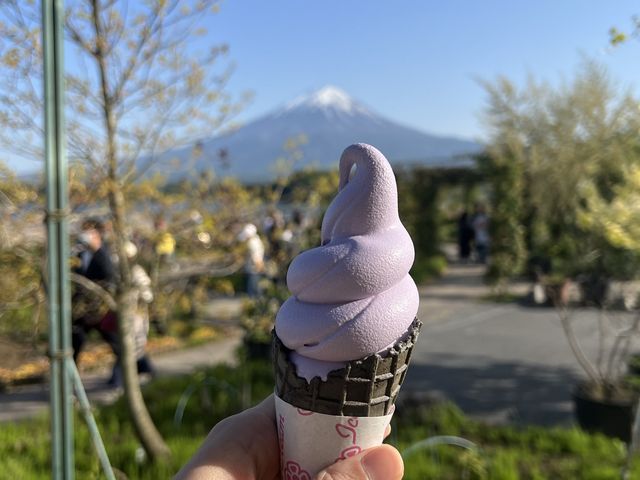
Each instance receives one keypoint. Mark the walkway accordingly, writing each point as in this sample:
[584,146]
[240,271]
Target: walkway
[503,363]
[29,400]
[500,362]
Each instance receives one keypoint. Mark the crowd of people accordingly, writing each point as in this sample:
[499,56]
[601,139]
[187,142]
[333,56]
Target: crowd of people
[94,260]
[267,251]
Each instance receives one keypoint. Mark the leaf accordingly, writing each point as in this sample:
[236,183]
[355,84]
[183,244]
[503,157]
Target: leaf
[616,37]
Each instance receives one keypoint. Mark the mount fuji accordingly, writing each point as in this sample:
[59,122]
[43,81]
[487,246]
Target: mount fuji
[330,120]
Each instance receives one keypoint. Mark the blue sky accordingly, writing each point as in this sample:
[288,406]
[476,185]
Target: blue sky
[416,61]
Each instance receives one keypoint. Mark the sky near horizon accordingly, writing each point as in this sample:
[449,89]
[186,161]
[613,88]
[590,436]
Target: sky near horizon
[416,62]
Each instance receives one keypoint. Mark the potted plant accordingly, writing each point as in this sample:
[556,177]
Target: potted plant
[557,289]
[610,220]
[605,401]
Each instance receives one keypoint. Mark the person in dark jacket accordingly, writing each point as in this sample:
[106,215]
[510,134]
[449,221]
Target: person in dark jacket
[89,311]
[465,237]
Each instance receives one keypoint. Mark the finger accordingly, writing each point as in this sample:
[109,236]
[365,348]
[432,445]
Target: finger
[387,431]
[377,463]
[266,407]
[241,446]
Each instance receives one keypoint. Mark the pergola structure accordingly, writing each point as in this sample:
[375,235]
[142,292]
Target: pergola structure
[64,374]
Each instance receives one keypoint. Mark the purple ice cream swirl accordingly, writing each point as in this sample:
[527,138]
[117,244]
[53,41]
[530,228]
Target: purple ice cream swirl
[352,296]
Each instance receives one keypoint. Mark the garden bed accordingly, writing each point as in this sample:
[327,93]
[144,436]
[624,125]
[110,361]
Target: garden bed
[26,365]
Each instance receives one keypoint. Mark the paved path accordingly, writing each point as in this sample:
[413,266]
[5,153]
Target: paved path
[30,400]
[499,362]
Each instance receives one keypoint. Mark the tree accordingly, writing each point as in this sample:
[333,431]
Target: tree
[616,217]
[21,253]
[560,140]
[508,254]
[139,86]
[503,166]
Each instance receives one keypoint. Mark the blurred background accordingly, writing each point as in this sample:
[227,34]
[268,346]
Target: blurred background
[203,141]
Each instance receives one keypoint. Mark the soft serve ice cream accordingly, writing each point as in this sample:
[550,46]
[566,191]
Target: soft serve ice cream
[352,296]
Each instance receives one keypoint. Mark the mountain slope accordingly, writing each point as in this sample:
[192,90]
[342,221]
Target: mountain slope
[331,121]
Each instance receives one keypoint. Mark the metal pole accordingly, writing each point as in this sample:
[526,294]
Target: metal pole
[62,463]
[85,409]
[64,373]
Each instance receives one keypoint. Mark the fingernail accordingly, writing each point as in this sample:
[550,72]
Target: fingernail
[379,466]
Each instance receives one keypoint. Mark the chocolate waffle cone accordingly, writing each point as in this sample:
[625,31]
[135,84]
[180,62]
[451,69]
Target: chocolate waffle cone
[367,387]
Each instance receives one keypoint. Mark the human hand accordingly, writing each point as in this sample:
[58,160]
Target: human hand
[245,447]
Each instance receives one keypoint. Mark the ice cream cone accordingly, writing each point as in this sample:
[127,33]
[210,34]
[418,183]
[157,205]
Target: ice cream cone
[351,296]
[367,387]
[322,421]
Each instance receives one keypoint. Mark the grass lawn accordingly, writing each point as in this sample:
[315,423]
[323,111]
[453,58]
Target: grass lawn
[497,453]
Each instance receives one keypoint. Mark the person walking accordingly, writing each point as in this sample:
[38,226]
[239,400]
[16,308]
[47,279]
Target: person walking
[465,237]
[89,310]
[254,262]
[480,223]
[140,320]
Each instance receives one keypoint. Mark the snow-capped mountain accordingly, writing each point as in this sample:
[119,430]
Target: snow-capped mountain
[331,120]
[330,100]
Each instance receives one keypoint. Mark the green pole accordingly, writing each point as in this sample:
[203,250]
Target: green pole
[62,464]
[94,433]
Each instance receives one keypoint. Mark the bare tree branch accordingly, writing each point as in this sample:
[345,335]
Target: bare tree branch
[94,288]
[210,270]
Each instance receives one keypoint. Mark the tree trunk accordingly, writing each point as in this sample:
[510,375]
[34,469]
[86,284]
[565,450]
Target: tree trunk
[126,300]
[147,432]
[151,439]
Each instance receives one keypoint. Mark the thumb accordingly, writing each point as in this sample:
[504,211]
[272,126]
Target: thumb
[377,463]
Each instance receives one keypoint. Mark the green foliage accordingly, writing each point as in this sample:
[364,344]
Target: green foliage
[503,452]
[140,64]
[427,268]
[218,393]
[22,308]
[618,37]
[258,314]
[22,311]
[418,203]
[422,198]
[616,220]
[555,152]
[504,169]
[312,187]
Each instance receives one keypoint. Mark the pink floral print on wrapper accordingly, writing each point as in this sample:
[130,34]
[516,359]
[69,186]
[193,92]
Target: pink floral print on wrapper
[346,431]
[349,431]
[281,438]
[349,452]
[293,471]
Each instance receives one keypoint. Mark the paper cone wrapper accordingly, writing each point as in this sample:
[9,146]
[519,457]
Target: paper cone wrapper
[320,422]
[311,441]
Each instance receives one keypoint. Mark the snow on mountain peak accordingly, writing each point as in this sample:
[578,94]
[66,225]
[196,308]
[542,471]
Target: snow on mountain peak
[331,96]
[328,97]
